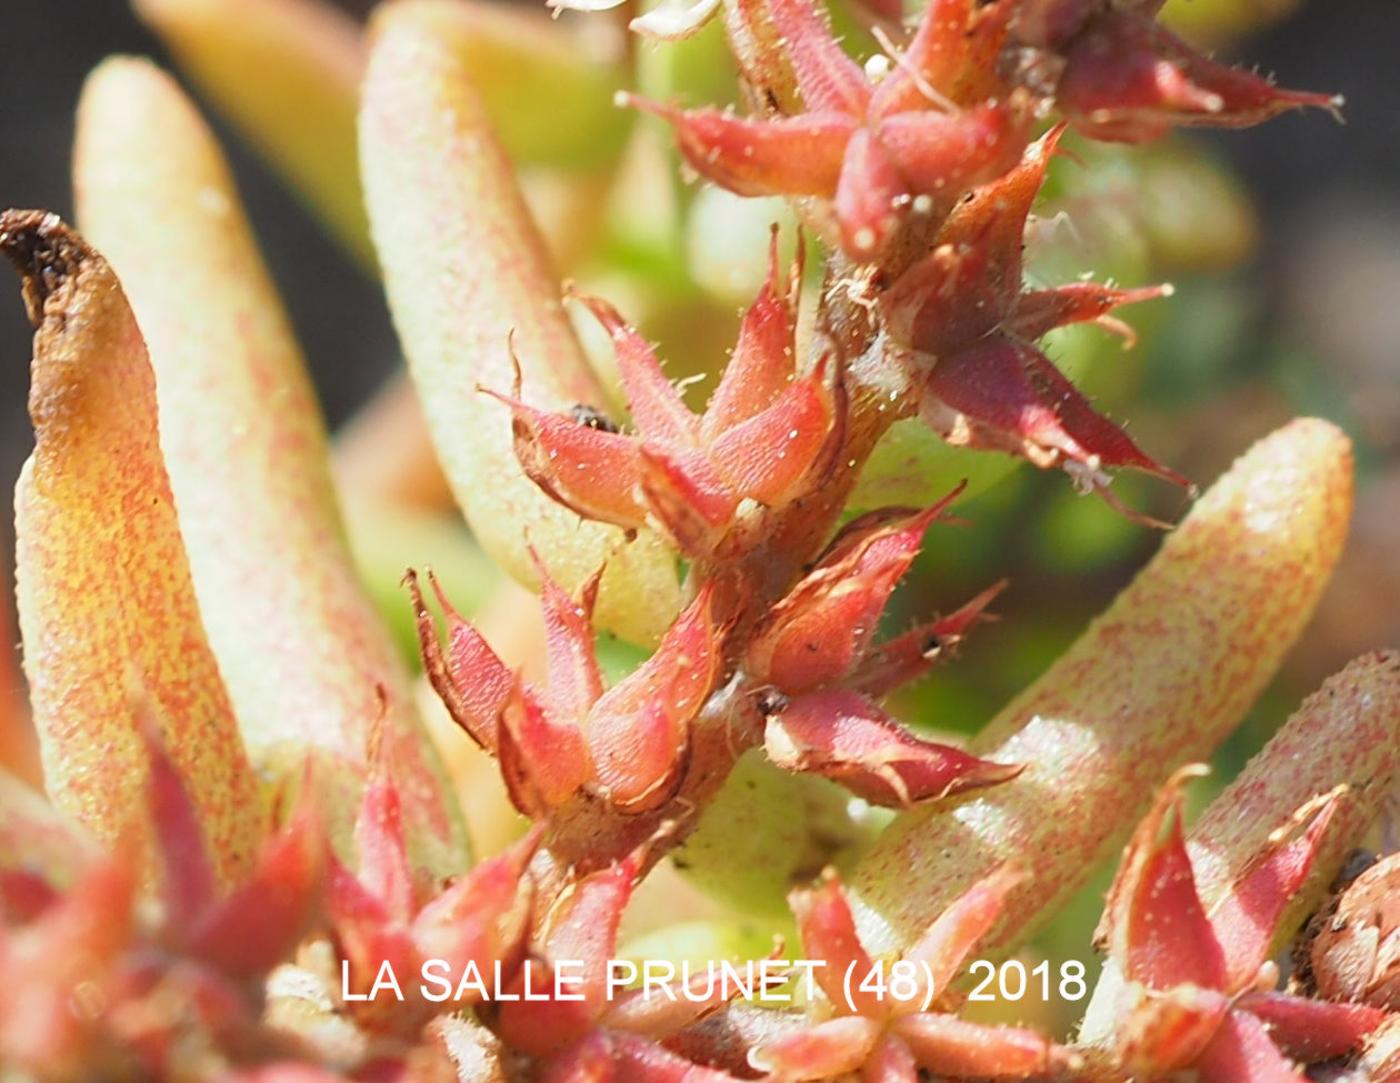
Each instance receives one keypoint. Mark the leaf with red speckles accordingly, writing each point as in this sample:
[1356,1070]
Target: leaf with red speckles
[104,585]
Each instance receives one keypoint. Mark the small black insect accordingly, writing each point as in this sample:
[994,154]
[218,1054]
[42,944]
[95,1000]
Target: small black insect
[591,417]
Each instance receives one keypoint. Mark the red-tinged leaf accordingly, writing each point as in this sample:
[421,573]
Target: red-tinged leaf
[828,931]
[257,926]
[638,732]
[687,498]
[950,1046]
[770,456]
[542,762]
[764,359]
[1154,925]
[954,53]
[827,78]
[1313,1030]
[1038,311]
[575,682]
[1246,917]
[892,1062]
[187,883]
[657,408]
[871,196]
[1004,394]
[472,682]
[797,156]
[845,737]
[938,955]
[1128,78]
[1242,1052]
[585,468]
[942,155]
[384,867]
[825,1051]
[823,627]
[909,656]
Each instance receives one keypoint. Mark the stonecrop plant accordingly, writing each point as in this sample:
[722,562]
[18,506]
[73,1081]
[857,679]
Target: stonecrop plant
[246,856]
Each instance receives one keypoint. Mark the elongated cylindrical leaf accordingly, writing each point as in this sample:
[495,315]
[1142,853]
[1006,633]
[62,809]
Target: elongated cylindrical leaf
[468,283]
[106,605]
[285,72]
[550,98]
[1347,734]
[1158,680]
[306,661]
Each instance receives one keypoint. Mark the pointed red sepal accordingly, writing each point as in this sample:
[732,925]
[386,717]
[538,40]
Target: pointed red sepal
[543,762]
[687,498]
[972,279]
[638,733]
[472,682]
[187,884]
[259,925]
[73,944]
[953,1047]
[773,457]
[1246,917]
[792,156]
[1243,1052]
[1154,923]
[1038,311]
[909,656]
[845,737]
[1313,1030]
[827,1050]
[891,1062]
[954,54]
[1129,79]
[765,357]
[827,78]
[618,1057]
[482,918]
[938,955]
[1004,394]
[942,155]
[658,411]
[580,464]
[823,627]
[828,931]
[575,682]
[582,932]
[384,867]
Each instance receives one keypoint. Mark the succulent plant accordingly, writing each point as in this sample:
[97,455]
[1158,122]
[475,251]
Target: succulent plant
[249,861]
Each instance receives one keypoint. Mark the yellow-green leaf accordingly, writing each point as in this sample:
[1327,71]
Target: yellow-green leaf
[468,282]
[1158,680]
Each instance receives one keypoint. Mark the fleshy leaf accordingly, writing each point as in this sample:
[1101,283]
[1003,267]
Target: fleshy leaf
[465,270]
[103,582]
[1196,636]
[307,663]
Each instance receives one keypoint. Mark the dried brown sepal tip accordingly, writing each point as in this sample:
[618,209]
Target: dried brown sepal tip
[1355,952]
[44,251]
